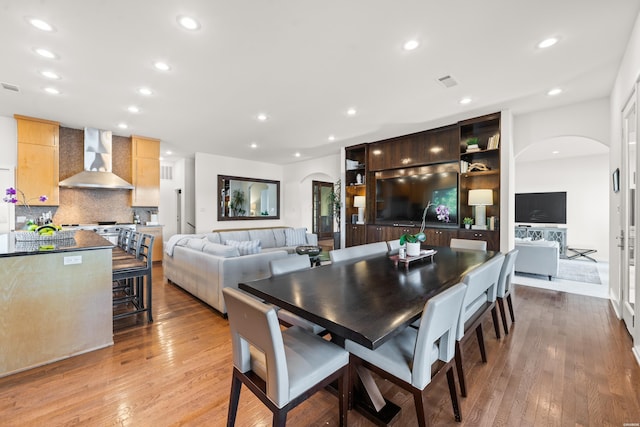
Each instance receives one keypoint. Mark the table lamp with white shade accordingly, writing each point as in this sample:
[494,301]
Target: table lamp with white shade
[360,203]
[480,199]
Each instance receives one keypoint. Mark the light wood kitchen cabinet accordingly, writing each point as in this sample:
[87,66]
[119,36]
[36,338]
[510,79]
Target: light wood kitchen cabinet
[145,172]
[156,232]
[37,173]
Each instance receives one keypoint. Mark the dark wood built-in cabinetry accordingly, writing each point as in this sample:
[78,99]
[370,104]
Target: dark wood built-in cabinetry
[471,147]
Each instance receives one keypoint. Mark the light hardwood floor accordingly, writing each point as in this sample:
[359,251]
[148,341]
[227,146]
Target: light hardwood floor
[566,362]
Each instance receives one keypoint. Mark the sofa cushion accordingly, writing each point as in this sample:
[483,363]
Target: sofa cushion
[234,235]
[295,236]
[278,234]
[196,244]
[223,251]
[245,247]
[214,238]
[266,237]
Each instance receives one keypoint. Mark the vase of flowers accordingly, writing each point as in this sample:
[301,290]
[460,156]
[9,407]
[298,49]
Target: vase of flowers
[413,241]
[17,197]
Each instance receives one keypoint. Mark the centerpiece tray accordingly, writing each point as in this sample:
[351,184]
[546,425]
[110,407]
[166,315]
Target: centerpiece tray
[424,253]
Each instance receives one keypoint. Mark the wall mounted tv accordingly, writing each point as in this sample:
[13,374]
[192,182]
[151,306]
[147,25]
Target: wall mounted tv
[542,208]
[402,195]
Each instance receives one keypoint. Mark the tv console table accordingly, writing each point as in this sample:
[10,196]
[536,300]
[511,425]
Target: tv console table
[552,234]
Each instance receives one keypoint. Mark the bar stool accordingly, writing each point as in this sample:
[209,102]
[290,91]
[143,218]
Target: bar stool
[132,277]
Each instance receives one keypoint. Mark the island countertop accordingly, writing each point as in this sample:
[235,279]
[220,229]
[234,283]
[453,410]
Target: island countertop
[82,240]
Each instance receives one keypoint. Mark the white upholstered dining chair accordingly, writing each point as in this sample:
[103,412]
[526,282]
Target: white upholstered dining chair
[478,245]
[504,288]
[360,251]
[282,368]
[288,265]
[415,357]
[480,299]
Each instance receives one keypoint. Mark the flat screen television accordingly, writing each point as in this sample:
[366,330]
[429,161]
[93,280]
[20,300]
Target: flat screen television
[542,208]
[402,199]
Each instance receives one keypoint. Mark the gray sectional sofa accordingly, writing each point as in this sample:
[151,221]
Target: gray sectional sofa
[204,264]
[537,257]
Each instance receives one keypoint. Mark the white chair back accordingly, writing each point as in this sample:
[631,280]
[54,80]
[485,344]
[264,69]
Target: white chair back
[254,323]
[289,264]
[477,245]
[482,285]
[437,325]
[360,251]
[504,282]
[394,245]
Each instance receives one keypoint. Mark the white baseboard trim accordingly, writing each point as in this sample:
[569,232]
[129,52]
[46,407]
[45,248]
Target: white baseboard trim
[636,352]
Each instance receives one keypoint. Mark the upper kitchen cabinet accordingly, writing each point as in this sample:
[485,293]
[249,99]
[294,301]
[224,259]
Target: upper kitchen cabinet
[38,161]
[145,156]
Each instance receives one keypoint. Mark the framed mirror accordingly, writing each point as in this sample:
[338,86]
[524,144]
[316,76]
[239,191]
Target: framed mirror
[247,198]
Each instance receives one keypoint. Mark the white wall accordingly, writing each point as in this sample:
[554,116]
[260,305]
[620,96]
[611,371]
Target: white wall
[207,169]
[8,160]
[586,181]
[589,119]
[628,73]
[298,177]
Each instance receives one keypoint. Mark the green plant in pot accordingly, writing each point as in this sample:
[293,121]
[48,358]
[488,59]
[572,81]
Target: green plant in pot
[467,222]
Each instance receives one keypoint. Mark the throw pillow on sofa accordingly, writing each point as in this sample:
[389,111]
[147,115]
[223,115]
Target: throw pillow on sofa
[246,247]
[295,236]
[223,251]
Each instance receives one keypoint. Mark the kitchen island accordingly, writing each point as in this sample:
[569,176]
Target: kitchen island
[55,299]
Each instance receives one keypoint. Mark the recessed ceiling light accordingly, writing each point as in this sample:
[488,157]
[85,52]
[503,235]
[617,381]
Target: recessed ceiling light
[465,100]
[50,74]
[145,91]
[554,91]
[40,24]
[161,158]
[168,152]
[351,111]
[262,117]
[188,23]
[52,90]
[162,66]
[411,45]
[122,125]
[253,145]
[45,53]
[555,152]
[133,109]
[547,42]
[297,154]
[331,138]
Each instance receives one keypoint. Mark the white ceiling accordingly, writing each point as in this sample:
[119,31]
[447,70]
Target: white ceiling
[304,64]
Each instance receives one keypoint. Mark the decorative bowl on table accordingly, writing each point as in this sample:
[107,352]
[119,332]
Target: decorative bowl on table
[46,232]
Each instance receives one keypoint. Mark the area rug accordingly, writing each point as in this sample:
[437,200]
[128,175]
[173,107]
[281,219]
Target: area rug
[576,271]
[579,271]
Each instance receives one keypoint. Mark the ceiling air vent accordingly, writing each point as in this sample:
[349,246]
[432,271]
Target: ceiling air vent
[166,172]
[9,86]
[448,81]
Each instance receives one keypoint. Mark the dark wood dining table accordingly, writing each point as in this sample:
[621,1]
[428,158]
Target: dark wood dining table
[367,300]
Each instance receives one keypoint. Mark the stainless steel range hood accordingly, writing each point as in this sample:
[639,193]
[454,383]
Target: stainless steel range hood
[97,164]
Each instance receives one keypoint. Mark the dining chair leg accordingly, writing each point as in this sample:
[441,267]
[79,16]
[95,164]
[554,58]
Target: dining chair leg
[496,325]
[455,402]
[149,297]
[458,357]
[343,394]
[480,335]
[503,315]
[279,418]
[513,319]
[419,402]
[236,385]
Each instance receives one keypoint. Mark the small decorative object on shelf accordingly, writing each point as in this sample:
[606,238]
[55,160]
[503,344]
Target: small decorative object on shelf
[467,222]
